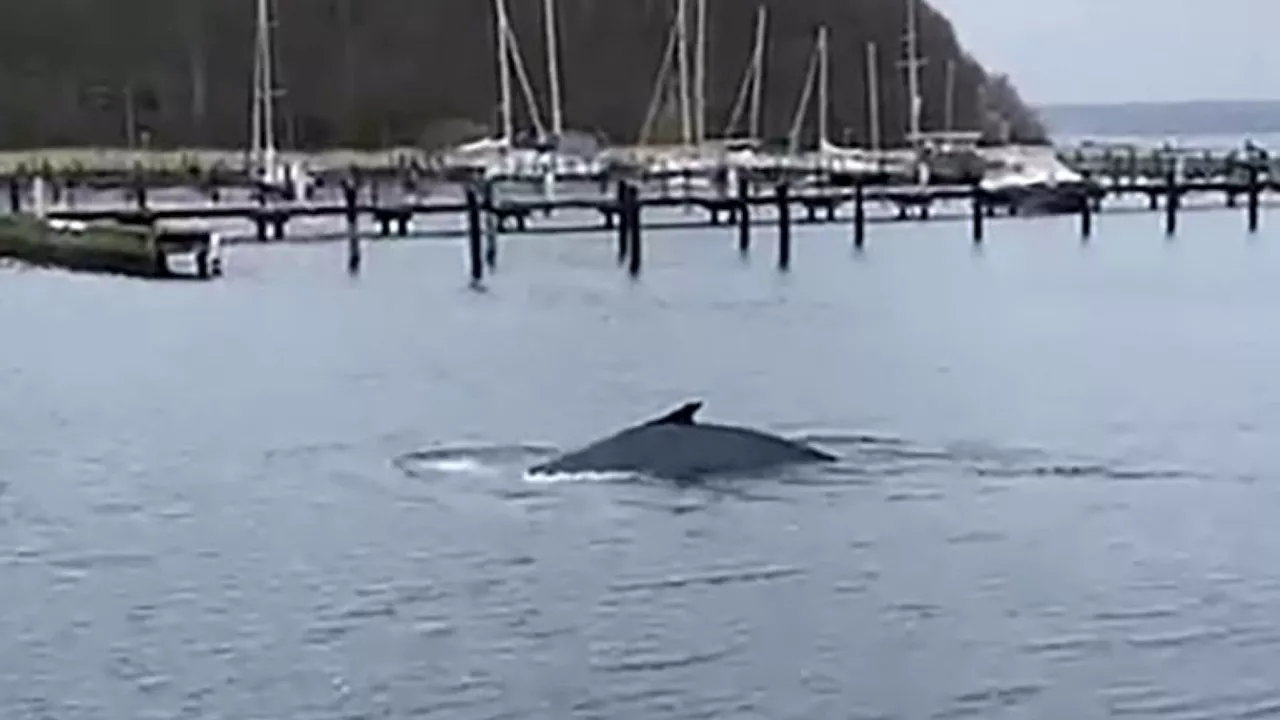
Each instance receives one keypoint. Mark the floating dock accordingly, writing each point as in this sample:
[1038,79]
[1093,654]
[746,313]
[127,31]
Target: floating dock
[110,247]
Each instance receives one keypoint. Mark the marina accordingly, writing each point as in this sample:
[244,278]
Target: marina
[810,382]
[549,179]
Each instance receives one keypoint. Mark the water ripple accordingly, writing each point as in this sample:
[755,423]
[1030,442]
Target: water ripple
[914,494]
[635,661]
[1178,639]
[1152,612]
[989,701]
[709,578]
[1158,703]
[1085,471]
[1068,646]
[621,699]
[446,460]
[88,562]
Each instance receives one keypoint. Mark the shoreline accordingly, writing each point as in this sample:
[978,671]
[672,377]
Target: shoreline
[123,160]
[61,161]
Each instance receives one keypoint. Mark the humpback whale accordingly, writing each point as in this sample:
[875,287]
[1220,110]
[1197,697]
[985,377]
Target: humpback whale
[676,446]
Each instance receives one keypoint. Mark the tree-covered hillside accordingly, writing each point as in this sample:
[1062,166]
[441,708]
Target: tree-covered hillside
[378,72]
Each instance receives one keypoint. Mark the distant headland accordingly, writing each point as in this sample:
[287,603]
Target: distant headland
[1171,118]
[383,73]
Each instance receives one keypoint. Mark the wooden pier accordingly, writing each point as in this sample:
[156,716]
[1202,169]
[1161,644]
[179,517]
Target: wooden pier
[483,213]
[820,202]
[1133,164]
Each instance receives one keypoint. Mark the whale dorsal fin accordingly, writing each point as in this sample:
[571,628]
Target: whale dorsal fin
[682,415]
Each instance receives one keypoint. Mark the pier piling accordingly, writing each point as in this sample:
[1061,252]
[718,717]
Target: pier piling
[474,256]
[744,216]
[1171,204]
[1253,198]
[139,189]
[490,228]
[635,251]
[979,214]
[859,215]
[15,195]
[784,225]
[1086,219]
[622,219]
[260,213]
[353,235]
[202,263]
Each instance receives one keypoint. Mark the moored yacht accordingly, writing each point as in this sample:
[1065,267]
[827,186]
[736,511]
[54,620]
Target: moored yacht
[1032,181]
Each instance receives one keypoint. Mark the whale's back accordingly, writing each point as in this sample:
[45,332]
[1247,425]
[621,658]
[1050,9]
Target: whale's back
[682,451]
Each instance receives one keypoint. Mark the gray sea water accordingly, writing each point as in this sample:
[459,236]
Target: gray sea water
[296,494]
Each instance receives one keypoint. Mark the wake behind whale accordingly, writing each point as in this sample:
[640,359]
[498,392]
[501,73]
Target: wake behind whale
[677,447]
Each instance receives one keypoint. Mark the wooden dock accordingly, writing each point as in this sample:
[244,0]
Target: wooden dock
[821,201]
[624,196]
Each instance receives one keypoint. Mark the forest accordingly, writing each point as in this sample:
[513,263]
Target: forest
[377,73]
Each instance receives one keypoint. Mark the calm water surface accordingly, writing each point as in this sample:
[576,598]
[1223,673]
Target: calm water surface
[295,494]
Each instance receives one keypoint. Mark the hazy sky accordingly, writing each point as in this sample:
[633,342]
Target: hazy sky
[1119,50]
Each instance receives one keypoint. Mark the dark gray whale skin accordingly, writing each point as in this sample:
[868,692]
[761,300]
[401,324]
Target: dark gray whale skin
[677,447]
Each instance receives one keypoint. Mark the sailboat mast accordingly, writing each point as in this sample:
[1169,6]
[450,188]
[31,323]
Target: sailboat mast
[504,68]
[268,84]
[950,113]
[806,94]
[682,60]
[553,67]
[700,73]
[822,87]
[263,144]
[873,93]
[757,80]
[255,107]
[913,71]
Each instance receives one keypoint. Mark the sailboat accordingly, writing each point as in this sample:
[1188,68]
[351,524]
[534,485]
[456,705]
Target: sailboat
[915,101]
[826,158]
[548,153]
[503,153]
[830,156]
[686,165]
[266,168]
[743,151]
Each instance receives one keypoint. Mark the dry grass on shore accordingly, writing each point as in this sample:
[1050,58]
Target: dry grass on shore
[123,160]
